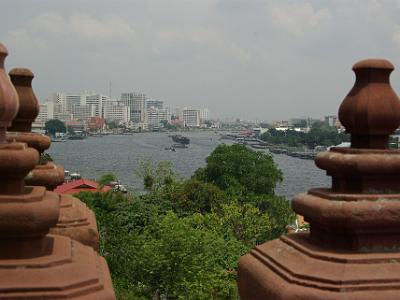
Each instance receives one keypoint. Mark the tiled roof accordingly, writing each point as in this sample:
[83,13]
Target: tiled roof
[79,185]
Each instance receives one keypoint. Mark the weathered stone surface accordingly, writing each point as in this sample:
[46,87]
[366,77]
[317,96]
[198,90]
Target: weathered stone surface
[76,220]
[29,106]
[352,250]
[33,263]
[9,102]
[49,175]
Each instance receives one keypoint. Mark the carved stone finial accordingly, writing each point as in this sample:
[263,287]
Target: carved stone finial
[8,97]
[371,110]
[33,263]
[352,250]
[29,106]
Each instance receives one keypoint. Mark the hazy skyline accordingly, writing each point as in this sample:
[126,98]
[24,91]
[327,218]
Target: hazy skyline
[254,59]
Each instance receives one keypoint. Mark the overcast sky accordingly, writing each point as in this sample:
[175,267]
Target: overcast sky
[254,59]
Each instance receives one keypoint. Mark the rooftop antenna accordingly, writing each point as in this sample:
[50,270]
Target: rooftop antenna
[109,89]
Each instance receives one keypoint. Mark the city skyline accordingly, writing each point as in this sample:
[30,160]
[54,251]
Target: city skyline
[265,60]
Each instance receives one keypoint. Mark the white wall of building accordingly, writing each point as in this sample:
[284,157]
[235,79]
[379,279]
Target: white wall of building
[137,104]
[191,117]
[115,111]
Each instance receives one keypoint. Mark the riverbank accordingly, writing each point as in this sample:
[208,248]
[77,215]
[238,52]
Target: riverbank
[120,154]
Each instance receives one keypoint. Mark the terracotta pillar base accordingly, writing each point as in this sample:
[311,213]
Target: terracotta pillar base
[77,221]
[294,267]
[49,175]
[70,271]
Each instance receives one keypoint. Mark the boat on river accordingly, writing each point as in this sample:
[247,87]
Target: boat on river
[179,146]
[180,139]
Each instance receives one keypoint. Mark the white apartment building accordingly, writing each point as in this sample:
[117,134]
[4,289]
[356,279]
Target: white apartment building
[204,114]
[97,100]
[70,101]
[137,105]
[331,120]
[154,103]
[156,115]
[116,111]
[191,117]
[83,112]
[46,112]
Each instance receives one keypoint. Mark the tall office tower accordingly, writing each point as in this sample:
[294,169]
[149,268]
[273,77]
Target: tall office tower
[204,114]
[191,117]
[137,104]
[153,103]
[156,115]
[46,112]
[83,112]
[97,100]
[116,111]
[67,101]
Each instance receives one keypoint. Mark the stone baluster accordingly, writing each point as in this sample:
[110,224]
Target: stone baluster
[47,174]
[76,220]
[33,263]
[353,248]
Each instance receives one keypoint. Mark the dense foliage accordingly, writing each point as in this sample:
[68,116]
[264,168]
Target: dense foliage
[183,238]
[53,126]
[320,134]
[105,179]
[44,158]
[239,169]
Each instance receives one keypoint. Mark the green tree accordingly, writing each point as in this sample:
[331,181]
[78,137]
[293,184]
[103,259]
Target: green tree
[164,256]
[246,222]
[53,126]
[278,210]
[70,130]
[240,170]
[300,123]
[105,179]
[183,238]
[112,124]
[180,260]
[155,175]
[44,158]
[186,197]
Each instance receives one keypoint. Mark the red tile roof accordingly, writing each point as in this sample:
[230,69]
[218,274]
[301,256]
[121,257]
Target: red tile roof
[79,185]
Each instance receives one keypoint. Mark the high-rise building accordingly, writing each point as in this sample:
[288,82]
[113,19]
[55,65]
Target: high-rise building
[191,117]
[137,105]
[331,120]
[97,100]
[68,102]
[204,114]
[116,111]
[46,112]
[156,115]
[83,112]
[154,103]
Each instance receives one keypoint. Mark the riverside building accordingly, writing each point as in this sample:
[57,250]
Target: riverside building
[116,111]
[137,104]
[191,117]
[156,115]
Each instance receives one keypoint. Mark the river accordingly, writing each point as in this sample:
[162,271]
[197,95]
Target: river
[120,155]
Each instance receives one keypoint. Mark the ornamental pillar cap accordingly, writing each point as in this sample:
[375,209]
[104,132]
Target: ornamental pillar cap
[8,97]
[29,106]
[371,110]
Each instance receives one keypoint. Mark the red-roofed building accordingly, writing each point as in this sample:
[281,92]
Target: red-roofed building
[77,126]
[80,185]
[96,123]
